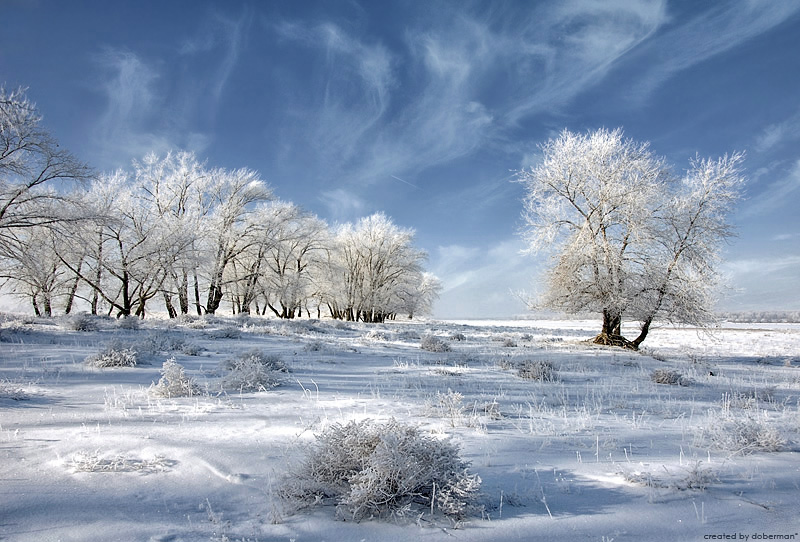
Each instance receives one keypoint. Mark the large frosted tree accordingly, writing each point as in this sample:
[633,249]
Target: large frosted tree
[628,238]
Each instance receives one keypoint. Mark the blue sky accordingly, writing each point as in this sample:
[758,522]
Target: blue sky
[423,110]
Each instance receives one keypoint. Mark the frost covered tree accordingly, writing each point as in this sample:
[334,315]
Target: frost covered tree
[628,238]
[293,261]
[32,168]
[227,232]
[372,262]
[127,249]
[176,186]
[30,161]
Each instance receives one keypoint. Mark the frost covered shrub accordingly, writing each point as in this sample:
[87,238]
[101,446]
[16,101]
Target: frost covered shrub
[432,343]
[314,346]
[669,377]
[174,382]
[82,322]
[537,370]
[113,356]
[160,341]
[191,349]
[129,322]
[743,434]
[373,469]
[228,332]
[408,335]
[376,335]
[253,371]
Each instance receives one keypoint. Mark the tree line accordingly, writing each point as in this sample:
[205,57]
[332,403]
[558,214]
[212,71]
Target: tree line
[174,231]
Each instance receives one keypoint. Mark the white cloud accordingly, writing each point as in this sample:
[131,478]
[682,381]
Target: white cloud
[143,116]
[343,205]
[780,193]
[720,28]
[776,134]
[762,266]
[124,129]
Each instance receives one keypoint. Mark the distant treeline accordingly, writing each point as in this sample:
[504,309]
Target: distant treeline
[789,317]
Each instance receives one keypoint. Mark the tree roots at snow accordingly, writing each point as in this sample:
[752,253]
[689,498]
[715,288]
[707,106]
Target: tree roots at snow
[607,339]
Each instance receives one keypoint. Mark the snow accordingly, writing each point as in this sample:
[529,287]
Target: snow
[602,453]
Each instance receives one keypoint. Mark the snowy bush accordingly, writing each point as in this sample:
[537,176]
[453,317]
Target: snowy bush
[432,343]
[82,322]
[408,335]
[314,346]
[740,433]
[228,332]
[537,370]
[253,371]
[670,377]
[373,469]
[376,335]
[159,341]
[113,356]
[174,382]
[191,349]
[129,322]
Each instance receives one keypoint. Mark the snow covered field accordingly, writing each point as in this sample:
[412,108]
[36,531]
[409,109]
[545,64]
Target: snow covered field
[694,438]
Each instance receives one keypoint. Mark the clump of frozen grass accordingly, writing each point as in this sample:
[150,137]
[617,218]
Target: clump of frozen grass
[748,399]
[743,433]
[160,341]
[449,406]
[11,390]
[408,335]
[227,332]
[314,346]
[113,356]
[81,322]
[253,371]
[543,371]
[669,377]
[174,382]
[376,335]
[432,343]
[191,349]
[372,469]
[92,462]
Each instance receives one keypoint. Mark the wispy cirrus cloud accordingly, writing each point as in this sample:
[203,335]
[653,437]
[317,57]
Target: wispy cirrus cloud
[779,133]
[150,107]
[125,129]
[778,193]
[474,74]
[352,89]
[722,27]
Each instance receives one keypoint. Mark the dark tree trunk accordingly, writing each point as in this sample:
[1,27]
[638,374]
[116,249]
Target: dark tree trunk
[170,308]
[611,334]
[197,295]
[643,333]
[73,290]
